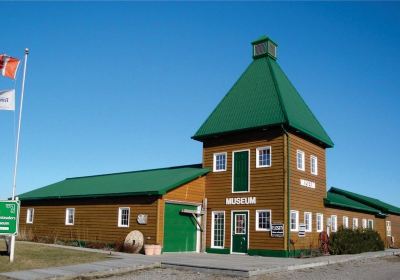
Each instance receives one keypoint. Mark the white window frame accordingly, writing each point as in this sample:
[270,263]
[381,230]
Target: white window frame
[355,223]
[334,223]
[345,222]
[297,220]
[215,161]
[315,160]
[320,216]
[270,220]
[120,209]
[67,222]
[258,165]
[248,172]
[364,223]
[303,167]
[388,228]
[309,224]
[372,224]
[212,229]
[30,212]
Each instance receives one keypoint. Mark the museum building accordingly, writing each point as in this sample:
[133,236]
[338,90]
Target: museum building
[261,189]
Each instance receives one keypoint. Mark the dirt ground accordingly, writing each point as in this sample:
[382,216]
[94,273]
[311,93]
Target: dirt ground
[386,268]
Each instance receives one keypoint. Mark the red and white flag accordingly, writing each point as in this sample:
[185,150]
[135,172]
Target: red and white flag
[8,66]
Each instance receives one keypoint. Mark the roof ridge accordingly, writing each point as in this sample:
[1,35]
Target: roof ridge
[136,171]
[278,91]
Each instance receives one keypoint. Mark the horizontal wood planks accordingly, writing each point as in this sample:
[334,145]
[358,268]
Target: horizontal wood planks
[96,219]
[266,184]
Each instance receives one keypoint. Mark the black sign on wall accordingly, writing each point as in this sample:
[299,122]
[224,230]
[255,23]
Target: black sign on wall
[277,230]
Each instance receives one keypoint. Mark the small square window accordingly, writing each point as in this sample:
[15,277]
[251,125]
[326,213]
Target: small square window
[334,223]
[29,215]
[355,223]
[370,224]
[263,157]
[123,216]
[263,220]
[314,165]
[70,216]
[300,160]
[388,228]
[219,162]
[294,220]
[320,222]
[364,223]
[308,221]
[345,222]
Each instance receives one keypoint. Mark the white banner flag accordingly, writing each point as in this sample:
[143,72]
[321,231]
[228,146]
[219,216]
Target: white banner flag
[7,99]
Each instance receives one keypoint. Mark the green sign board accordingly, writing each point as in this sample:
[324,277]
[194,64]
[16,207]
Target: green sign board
[9,217]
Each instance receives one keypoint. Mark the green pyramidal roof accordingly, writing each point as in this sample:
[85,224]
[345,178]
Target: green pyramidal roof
[263,96]
[144,182]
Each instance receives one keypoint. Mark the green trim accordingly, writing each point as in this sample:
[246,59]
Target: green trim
[268,253]
[263,38]
[224,251]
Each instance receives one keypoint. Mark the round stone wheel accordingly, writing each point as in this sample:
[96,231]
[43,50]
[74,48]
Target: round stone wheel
[134,242]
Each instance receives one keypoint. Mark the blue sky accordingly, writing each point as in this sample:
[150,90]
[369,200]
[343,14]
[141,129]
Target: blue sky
[122,86]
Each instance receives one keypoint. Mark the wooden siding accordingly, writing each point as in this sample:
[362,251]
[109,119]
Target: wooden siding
[96,219]
[266,184]
[395,221]
[305,199]
[192,192]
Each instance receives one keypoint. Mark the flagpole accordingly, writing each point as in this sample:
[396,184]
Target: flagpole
[12,245]
[19,125]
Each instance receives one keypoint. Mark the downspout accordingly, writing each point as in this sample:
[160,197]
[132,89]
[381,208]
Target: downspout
[288,189]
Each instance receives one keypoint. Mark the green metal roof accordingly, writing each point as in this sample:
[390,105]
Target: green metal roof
[338,200]
[373,202]
[145,182]
[263,96]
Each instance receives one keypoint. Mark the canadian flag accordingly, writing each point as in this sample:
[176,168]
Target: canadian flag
[8,66]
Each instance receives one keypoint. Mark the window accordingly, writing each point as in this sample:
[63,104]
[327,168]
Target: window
[300,160]
[314,165]
[70,216]
[240,223]
[355,223]
[294,220]
[334,223]
[218,229]
[388,228]
[371,224]
[123,217]
[29,215]
[219,162]
[320,222]
[364,223]
[263,157]
[263,220]
[345,222]
[308,221]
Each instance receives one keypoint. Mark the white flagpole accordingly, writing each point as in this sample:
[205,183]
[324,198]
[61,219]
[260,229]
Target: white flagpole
[19,125]
[12,245]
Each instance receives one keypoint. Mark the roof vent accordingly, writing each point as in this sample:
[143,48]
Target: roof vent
[264,46]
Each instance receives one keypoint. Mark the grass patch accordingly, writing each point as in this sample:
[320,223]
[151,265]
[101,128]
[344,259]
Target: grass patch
[31,256]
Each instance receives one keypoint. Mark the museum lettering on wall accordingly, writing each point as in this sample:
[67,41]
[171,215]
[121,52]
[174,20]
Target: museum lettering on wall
[308,184]
[240,200]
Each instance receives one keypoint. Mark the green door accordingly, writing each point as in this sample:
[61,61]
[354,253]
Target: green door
[241,172]
[180,230]
[239,232]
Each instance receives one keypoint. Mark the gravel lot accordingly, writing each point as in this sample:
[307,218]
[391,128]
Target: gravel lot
[386,268]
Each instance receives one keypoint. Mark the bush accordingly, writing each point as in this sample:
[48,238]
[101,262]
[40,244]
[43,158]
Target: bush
[348,241]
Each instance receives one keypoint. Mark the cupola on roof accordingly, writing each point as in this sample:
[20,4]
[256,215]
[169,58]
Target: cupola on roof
[263,96]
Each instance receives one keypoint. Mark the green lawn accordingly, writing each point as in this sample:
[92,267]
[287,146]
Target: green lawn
[31,256]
